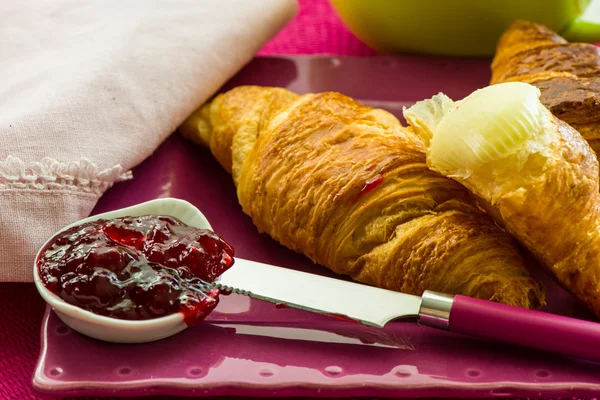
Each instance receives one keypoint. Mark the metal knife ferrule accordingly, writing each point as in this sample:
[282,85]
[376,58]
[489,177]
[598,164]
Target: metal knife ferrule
[435,309]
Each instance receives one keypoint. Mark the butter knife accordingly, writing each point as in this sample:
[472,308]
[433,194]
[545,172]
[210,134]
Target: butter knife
[376,307]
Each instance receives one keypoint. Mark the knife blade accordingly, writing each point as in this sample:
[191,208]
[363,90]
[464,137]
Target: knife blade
[365,304]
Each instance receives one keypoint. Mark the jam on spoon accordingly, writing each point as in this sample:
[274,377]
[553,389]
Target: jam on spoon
[137,268]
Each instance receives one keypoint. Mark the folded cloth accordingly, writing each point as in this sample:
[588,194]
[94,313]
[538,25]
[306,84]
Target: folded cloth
[91,88]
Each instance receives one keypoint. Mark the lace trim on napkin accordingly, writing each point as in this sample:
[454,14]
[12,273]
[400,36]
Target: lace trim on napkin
[50,174]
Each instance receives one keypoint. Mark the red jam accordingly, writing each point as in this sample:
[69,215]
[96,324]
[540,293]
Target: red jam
[370,185]
[137,268]
[342,317]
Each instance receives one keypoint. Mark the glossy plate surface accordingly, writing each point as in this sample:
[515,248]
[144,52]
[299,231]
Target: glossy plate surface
[251,348]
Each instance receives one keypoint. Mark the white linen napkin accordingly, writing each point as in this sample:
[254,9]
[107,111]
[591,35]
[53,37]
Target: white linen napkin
[91,88]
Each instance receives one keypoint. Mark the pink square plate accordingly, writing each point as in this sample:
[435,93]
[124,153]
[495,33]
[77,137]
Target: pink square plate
[251,348]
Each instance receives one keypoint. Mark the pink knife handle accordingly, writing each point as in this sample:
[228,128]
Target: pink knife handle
[535,329]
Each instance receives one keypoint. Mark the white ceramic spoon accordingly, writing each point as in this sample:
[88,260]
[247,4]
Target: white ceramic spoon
[113,329]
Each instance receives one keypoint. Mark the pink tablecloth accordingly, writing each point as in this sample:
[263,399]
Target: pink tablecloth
[316,30]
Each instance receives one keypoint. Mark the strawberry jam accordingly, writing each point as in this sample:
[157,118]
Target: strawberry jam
[370,185]
[137,268]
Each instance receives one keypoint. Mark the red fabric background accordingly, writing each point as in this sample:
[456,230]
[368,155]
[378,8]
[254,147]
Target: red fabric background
[316,30]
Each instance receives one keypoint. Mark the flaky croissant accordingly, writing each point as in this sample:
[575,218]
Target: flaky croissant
[567,74]
[533,172]
[348,186]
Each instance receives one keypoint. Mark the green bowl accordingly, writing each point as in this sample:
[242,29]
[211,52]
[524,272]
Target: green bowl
[459,27]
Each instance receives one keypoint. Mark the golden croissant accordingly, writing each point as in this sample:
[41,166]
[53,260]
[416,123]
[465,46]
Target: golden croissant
[533,172]
[348,186]
[567,74]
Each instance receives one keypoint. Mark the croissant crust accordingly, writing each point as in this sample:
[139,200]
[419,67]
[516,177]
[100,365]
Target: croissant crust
[567,74]
[349,187]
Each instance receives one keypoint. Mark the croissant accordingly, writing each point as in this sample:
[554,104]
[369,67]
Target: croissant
[348,186]
[532,172]
[567,74]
